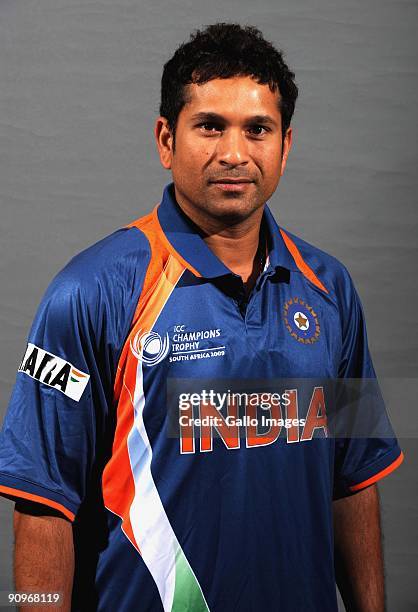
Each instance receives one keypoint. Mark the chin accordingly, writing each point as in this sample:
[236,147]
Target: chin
[230,213]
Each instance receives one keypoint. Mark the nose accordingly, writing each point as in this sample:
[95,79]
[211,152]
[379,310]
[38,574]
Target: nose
[232,148]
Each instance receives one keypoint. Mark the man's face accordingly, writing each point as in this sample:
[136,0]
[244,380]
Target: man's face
[229,130]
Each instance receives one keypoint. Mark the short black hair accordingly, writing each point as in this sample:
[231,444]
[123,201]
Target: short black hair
[224,50]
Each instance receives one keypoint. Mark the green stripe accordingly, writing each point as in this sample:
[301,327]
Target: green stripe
[188,596]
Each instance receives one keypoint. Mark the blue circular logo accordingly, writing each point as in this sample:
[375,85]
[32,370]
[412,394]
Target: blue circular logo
[301,321]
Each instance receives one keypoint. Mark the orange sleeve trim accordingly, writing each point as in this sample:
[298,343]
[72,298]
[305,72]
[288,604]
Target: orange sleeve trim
[379,475]
[300,262]
[39,499]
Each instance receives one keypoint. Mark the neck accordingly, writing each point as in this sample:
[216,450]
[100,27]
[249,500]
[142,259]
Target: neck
[236,245]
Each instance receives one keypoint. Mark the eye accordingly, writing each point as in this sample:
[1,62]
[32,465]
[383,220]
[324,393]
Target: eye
[254,129]
[210,126]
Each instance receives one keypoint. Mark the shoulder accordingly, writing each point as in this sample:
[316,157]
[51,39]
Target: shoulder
[332,273]
[113,259]
[101,285]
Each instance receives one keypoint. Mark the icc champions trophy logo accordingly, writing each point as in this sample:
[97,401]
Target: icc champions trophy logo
[150,347]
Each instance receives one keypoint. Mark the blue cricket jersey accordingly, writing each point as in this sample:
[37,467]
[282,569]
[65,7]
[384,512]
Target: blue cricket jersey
[221,517]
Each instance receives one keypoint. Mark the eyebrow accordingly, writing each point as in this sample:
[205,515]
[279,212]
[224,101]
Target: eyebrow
[209,116]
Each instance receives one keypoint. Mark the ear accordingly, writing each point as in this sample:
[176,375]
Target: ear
[164,141]
[287,143]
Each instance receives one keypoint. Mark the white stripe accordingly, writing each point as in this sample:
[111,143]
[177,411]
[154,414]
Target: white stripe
[150,524]
[151,527]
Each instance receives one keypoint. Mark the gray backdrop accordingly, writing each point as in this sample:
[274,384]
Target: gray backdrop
[79,93]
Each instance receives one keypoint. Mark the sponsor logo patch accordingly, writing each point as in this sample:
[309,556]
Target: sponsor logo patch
[54,372]
[301,321]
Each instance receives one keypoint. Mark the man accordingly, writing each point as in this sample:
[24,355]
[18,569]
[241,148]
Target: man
[222,517]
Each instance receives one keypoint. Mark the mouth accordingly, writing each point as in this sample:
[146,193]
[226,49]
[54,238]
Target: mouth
[229,179]
[235,184]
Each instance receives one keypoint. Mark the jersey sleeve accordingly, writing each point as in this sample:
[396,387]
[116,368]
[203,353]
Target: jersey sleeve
[58,421]
[371,451]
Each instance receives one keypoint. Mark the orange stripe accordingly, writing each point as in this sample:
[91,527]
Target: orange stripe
[39,499]
[161,277]
[301,264]
[141,221]
[150,225]
[169,246]
[77,373]
[379,475]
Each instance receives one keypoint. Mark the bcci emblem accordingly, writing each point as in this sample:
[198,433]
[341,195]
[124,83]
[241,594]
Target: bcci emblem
[301,321]
[149,347]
